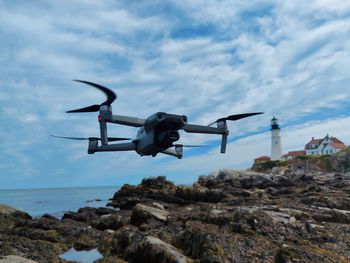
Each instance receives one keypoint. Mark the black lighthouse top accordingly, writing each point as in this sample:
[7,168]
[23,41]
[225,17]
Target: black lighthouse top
[274,124]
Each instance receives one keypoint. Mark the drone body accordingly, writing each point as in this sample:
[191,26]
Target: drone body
[156,134]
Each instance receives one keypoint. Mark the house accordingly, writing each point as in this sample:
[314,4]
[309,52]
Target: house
[327,145]
[292,154]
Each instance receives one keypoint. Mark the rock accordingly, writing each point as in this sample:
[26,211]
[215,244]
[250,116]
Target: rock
[122,242]
[152,249]
[109,222]
[48,216]
[110,231]
[158,205]
[110,260]
[159,182]
[228,216]
[151,189]
[5,209]
[243,179]
[15,259]
[93,200]
[142,212]
[332,215]
[8,210]
[201,194]
[199,242]
[88,214]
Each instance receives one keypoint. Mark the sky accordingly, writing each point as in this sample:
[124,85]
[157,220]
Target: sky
[203,59]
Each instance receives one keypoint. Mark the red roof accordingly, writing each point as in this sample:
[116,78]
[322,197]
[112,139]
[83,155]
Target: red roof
[263,158]
[338,145]
[314,141]
[296,153]
[336,140]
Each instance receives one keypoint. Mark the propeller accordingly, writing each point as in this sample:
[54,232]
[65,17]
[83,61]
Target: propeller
[190,146]
[111,96]
[110,139]
[236,117]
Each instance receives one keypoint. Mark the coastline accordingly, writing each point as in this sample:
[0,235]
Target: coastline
[230,215]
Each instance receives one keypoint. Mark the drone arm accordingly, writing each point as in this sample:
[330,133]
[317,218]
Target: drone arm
[220,129]
[127,120]
[116,147]
[193,128]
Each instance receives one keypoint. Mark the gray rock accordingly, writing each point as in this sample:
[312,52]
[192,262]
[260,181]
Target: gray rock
[5,209]
[15,259]
[153,249]
[142,212]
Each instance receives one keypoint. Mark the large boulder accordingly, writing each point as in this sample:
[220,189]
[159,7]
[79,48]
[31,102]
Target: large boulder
[141,213]
[152,188]
[152,249]
[5,209]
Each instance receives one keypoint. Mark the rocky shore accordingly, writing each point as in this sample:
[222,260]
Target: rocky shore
[228,216]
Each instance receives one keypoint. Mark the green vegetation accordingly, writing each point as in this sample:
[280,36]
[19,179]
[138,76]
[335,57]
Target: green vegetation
[312,157]
[326,165]
[270,164]
[346,150]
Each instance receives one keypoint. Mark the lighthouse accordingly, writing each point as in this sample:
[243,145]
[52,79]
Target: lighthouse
[276,146]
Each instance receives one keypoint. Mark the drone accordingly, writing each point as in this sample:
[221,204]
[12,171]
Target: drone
[157,133]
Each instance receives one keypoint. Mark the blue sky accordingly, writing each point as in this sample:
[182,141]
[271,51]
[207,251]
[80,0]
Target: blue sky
[204,59]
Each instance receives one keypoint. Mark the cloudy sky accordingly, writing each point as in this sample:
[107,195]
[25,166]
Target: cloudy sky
[204,59]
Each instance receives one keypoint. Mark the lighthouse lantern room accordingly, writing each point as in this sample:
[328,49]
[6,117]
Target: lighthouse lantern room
[276,146]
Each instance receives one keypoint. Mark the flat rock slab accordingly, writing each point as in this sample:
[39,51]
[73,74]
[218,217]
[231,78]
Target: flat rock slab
[15,259]
[160,214]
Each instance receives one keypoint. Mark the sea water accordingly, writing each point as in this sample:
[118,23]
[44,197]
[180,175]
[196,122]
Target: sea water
[81,256]
[56,201]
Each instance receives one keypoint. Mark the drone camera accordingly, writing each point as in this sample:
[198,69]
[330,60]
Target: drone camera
[173,135]
[167,136]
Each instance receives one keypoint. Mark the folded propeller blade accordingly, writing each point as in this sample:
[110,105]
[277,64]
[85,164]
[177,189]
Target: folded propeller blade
[111,139]
[111,96]
[114,139]
[190,146]
[92,108]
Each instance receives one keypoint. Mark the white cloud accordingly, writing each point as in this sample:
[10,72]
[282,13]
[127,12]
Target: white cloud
[286,58]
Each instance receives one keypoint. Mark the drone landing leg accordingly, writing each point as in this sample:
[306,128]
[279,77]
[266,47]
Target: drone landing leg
[172,153]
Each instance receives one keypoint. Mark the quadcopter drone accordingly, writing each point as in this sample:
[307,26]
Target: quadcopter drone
[157,133]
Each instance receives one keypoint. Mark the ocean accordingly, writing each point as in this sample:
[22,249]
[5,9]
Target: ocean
[56,201]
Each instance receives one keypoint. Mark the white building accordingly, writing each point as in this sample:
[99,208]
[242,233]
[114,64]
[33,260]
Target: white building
[327,145]
[276,145]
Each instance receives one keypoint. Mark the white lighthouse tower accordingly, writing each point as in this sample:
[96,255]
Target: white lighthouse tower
[276,146]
